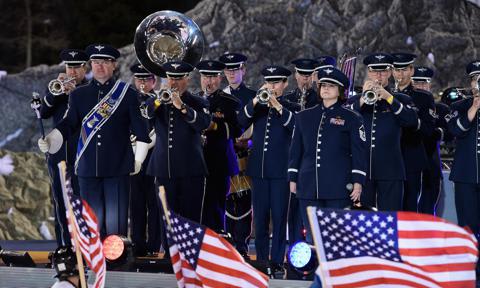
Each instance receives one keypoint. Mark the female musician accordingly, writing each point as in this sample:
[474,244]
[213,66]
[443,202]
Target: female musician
[328,150]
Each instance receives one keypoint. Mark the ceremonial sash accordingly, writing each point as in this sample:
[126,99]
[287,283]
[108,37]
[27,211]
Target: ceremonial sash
[99,115]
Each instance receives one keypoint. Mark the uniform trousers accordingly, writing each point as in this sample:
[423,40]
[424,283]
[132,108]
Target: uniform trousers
[386,195]
[61,225]
[270,196]
[109,199]
[144,213]
[431,185]
[412,188]
[216,189]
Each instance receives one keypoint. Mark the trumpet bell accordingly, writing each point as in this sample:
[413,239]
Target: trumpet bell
[370,97]
[166,36]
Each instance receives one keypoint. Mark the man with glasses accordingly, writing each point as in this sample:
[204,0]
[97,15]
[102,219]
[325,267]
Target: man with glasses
[105,112]
[383,122]
[413,149]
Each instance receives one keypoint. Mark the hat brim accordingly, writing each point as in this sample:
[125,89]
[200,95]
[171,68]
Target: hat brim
[379,67]
[331,81]
[102,57]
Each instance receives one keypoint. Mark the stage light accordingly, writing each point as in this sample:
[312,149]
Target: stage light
[116,249]
[17,259]
[302,258]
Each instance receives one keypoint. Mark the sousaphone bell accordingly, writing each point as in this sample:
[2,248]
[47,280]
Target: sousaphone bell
[167,36]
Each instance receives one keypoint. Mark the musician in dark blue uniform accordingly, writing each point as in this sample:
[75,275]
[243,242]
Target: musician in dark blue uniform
[54,106]
[328,150]
[106,112]
[384,120]
[432,176]
[464,124]
[413,149]
[304,94]
[239,203]
[177,160]
[143,196]
[218,149]
[235,70]
[273,124]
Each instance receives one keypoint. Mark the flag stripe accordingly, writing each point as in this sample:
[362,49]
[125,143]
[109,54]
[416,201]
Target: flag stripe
[383,276]
[433,260]
[243,276]
[209,254]
[435,251]
[435,242]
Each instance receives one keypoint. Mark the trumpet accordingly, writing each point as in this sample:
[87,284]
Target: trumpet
[370,96]
[164,95]
[57,86]
[264,95]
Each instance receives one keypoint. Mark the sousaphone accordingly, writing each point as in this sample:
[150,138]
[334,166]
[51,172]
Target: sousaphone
[167,36]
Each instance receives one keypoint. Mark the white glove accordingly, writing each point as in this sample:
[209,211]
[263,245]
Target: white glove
[52,142]
[153,138]
[140,154]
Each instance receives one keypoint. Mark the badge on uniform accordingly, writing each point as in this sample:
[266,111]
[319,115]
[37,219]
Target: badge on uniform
[337,121]
[361,131]
[448,117]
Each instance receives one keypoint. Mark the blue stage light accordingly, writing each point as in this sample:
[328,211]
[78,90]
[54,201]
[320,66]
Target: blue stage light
[302,258]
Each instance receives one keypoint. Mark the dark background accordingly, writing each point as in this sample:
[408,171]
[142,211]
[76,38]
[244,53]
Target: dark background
[33,32]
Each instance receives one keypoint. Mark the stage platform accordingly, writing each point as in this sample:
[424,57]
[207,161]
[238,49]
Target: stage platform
[140,272]
[12,277]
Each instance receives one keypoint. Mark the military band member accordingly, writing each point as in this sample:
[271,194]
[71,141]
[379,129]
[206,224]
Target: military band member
[413,149]
[143,196]
[464,124]
[218,150]
[305,94]
[328,150]
[105,111]
[235,73]
[54,106]
[383,122]
[238,205]
[267,164]
[177,160]
[432,176]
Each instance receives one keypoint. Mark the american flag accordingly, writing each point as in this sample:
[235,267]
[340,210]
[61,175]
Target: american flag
[86,226]
[394,249]
[201,258]
[348,68]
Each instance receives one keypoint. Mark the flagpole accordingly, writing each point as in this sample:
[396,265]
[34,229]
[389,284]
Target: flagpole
[163,200]
[81,271]
[311,211]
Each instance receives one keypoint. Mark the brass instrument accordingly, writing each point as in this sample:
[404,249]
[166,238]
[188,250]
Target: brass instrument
[397,83]
[164,95]
[166,36]
[370,97]
[57,87]
[264,95]
[303,98]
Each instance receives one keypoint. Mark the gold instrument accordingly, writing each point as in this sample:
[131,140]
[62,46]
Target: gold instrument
[57,87]
[264,95]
